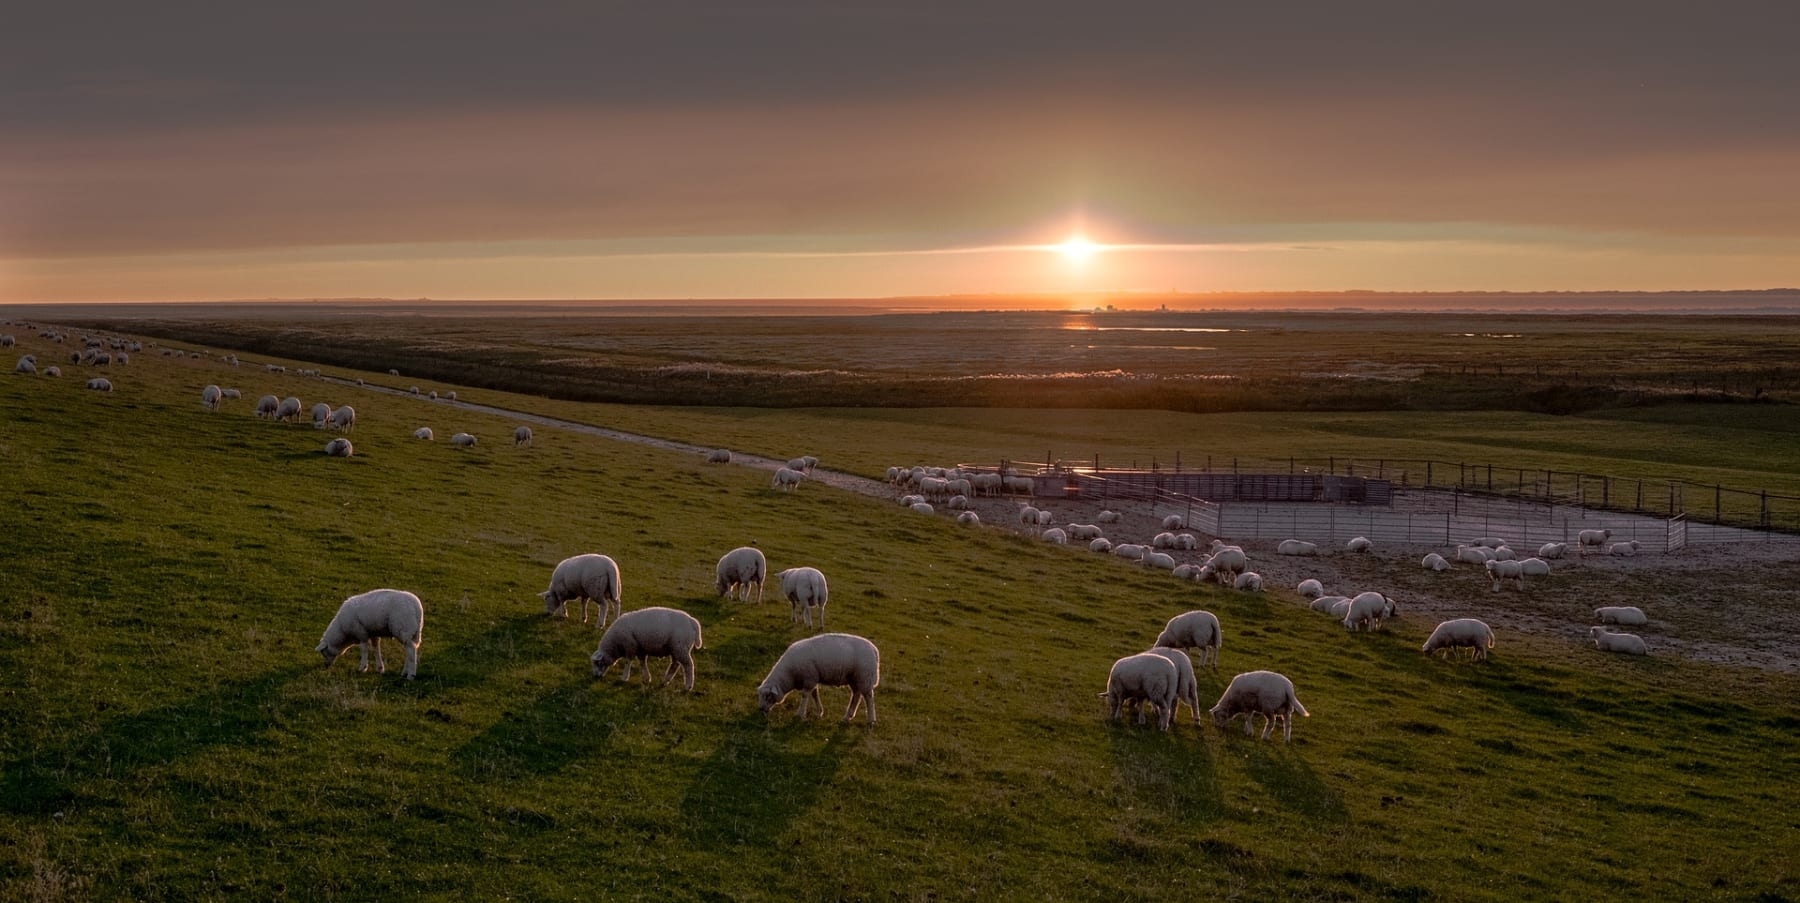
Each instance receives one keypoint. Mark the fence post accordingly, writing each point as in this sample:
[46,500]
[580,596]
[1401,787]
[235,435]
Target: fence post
[1762,518]
[1549,483]
[1427,474]
[1178,461]
[1640,497]
[1331,465]
[1606,492]
[1490,478]
[1462,474]
[1717,494]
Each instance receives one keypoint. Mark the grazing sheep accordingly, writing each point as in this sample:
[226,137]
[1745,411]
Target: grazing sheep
[1044,518]
[719,456]
[344,418]
[742,568]
[1028,516]
[100,384]
[893,473]
[1057,536]
[433,395]
[1264,693]
[1534,567]
[1434,562]
[1187,688]
[1228,562]
[1324,604]
[339,448]
[810,461]
[423,432]
[289,410]
[922,508]
[365,619]
[1193,630]
[786,479]
[1552,550]
[805,590]
[1628,643]
[1358,544]
[1627,615]
[521,436]
[1174,522]
[797,464]
[451,395]
[393,373]
[829,659]
[1462,632]
[1501,571]
[1593,539]
[1162,561]
[1130,551]
[210,397]
[1296,547]
[1145,677]
[587,577]
[1311,589]
[968,518]
[1248,581]
[53,371]
[650,633]
[267,405]
[6,341]
[462,440]
[1101,545]
[1369,610]
[321,415]
[1107,517]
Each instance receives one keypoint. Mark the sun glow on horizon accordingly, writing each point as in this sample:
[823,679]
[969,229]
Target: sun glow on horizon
[1077,248]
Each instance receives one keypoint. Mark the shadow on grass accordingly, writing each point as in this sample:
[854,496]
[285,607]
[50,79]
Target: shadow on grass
[564,725]
[1533,691]
[1172,772]
[1293,783]
[232,714]
[758,780]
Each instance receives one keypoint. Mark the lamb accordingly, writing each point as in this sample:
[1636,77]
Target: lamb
[923,508]
[1164,540]
[344,418]
[829,659]
[1311,589]
[1187,689]
[289,410]
[462,440]
[1628,643]
[1434,562]
[742,568]
[1296,547]
[1358,544]
[1160,560]
[786,479]
[1174,522]
[650,633]
[423,432]
[339,448]
[968,518]
[1107,517]
[1056,535]
[100,384]
[1534,567]
[1369,610]
[1145,677]
[1462,632]
[1552,550]
[321,415]
[1628,615]
[1101,545]
[1324,604]
[587,577]
[365,619]
[1130,551]
[1264,693]
[210,397]
[1593,539]
[1193,630]
[521,436]
[267,405]
[805,590]
[1501,571]
[1248,581]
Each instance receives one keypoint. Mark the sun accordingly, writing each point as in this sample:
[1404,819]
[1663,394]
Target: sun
[1077,248]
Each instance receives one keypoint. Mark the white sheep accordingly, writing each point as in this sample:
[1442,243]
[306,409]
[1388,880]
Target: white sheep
[1552,550]
[1311,589]
[1296,547]
[1264,693]
[1107,517]
[1044,518]
[1145,677]
[1324,604]
[1505,553]
[797,464]
[1340,609]
[1162,561]
[1502,571]
[1488,542]
[424,433]
[957,503]
[786,479]
[1056,535]
[805,590]
[1130,551]
[922,508]
[211,396]
[1187,689]
[521,436]
[393,373]
[339,448]
[462,440]
[1101,545]
[741,569]
[1189,572]
[1534,567]
[1624,549]
[1193,630]
[321,415]
[1085,532]
[1473,555]
[1628,615]
[267,405]
[1228,562]
[232,394]
[451,395]
[1369,610]
[1462,632]
[829,659]
[1434,562]
[414,390]
[26,365]
[968,518]
[100,384]
[1028,516]
[810,461]
[1628,643]
[1174,522]
[1186,542]
[1358,544]
[719,456]
[1248,581]
[433,395]
[344,418]
[587,577]
[1164,540]
[650,633]
[289,410]
[367,618]
[1592,539]
[53,371]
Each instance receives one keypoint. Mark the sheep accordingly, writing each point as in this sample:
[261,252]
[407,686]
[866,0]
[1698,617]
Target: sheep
[1623,549]
[6,341]
[1340,608]
[1188,572]
[367,618]
[968,518]
[53,371]
[1085,532]
[1130,551]
[1462,632]
[1162,561]
[797,464]
[1534,567]
[393,373]
[1187,689]
[805,590]
[423,432]
[1504,553]
[1248,581]
[1107,517]
[810,461]
[1628,643]
[829,659]
[1323,604]
[650,633]
[231,394]
[1592,539]
[521,436]
[923,508]
[339,448]
[1044,518]
[988,484]
[1193,630]
[462,440]
[1174,522]
[433,395]
[1028,516]
[1057,536]
[1264,693]
[289,410]
[1628,615]
[586,577]
[1552,550]
[1311,589]
[1164,540]
[1186,542]
[100,384]
[1369,610]
[414,390]
[960,486]
[1434,562]
[893,473]
[344,418]
[1146,677]
[26,365]
[741,568]
[1101,545]
[1228,562]
[786,479]
[450,395]
[1358,544]
[321,415]
[267,405]
[1501,571]
[210,397]
[1473,555]
[1296,547]
[1488,542]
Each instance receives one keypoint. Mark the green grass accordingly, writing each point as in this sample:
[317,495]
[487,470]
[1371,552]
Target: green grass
[166,731]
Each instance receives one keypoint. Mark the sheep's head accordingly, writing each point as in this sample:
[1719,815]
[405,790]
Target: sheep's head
[767,697]
[602,661]
[552,605]
[1219,716]
[331,652]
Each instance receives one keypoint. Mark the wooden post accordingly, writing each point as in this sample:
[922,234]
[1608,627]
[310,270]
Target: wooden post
[1718,493]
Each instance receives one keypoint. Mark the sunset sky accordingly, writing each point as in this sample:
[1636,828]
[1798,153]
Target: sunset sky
[843,149]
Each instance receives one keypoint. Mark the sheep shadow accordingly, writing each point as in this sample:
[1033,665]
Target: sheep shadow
[557,729]
[1531,694]
[1170,771]
[233,714]
[757,781]
[1293,783]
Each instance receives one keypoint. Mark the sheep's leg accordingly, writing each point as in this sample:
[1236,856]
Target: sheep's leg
[805,698]
[818,703]
[649,675]
[362,663]
[855,702]
[821,616]
[380,662]
[625,663]
[1268,726]
[870,698]
[1250,724]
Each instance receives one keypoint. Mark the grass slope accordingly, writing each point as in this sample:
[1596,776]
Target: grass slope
[166,731]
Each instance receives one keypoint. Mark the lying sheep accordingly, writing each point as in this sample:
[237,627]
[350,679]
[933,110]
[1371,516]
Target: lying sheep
[365,619]
[1369,610]
[1296,547]
[1488,542]
[1264,693]
[1628,615]
[1145,677]
[462,440]
[1434,562]
[1193,630]
[650,633]
[1311,589]
[521,436]
[423,432]
[1084,532]
[1163,540]
[719,456]
[339,448]
[1248,581]
[1162,561]
[1187,689]
[968,518]
[1055,535]
[1358,544]
[1324,604]
[1473,555]
[1628,643]
[923,508]
[1102,545]
[1551,550]
[26,365]
[786,479]
[1504,553]
[1130,551]
[1534,567]
[1187,542]
[210,397]
[829,659]
[1502,571]
[587,577]
[1624,549]
[53,371]
[232,394]
[1107,517]
[957,503]
[1462,632]
[1186,571]
[1174,522]
[805,590]
[1592,539]
[741,569]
